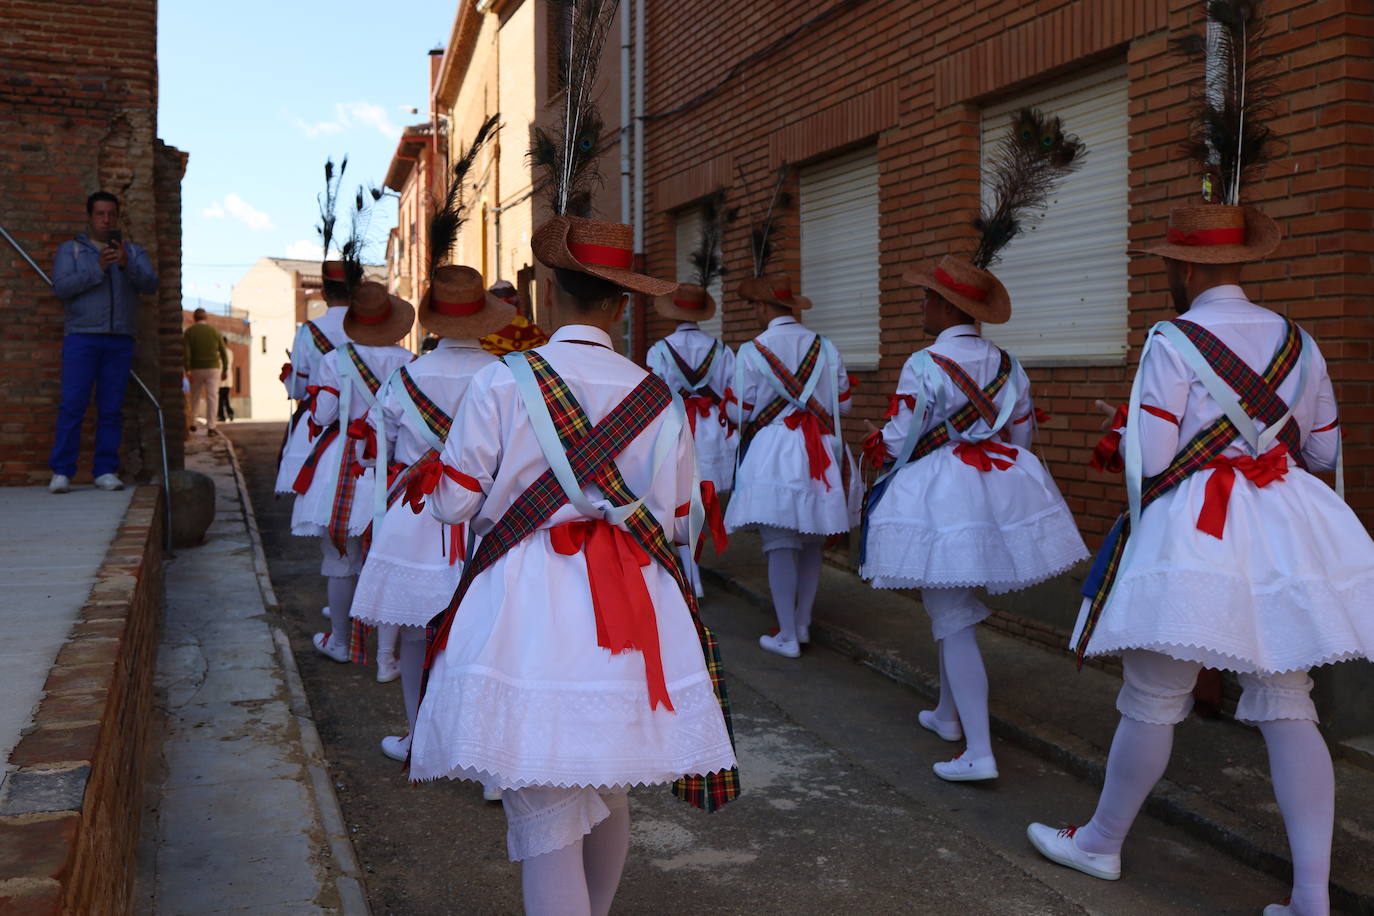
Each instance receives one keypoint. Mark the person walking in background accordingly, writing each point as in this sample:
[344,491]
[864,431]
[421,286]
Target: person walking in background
[99,277]
[207,364]
[226,406]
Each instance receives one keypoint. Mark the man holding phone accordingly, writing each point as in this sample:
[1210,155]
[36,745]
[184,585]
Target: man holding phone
[99,277]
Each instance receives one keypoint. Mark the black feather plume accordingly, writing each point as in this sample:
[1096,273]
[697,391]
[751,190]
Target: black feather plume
[1230,136]
[1029,159]
[566,156]
[449,218]
[328,202]
[763,232]
[705,256]
[354,248]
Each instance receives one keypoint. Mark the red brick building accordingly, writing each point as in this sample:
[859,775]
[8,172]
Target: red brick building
[78,98]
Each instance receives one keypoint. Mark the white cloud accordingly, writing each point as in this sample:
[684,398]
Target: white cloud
[241,210]
[304,250]
[347,115]
[373,116]
[214,211]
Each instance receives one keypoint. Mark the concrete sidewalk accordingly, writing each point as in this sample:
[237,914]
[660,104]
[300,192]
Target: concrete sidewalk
[1217,785]
[50,549]
[243,817]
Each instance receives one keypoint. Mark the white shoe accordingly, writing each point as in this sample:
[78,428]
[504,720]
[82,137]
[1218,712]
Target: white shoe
[108,482]
[948,731]
[1279,909]
[490,794]
[787,648]
[60,483]
[331,648]
[388,669]
[967,769]
[324,612]
[396,747]
[1059,846]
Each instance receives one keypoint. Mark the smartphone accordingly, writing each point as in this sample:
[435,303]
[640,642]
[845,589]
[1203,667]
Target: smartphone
[116,238]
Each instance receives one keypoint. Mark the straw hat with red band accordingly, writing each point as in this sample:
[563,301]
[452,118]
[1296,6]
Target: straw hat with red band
[589,246]
[973,291]
[689,302]
[774,289]
[458,305]
[1217,234]
[333,270]
[376,318]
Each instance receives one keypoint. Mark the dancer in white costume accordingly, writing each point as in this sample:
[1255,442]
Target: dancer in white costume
[797,482]
[700,369]
[963,502]
[1231,555]
[337,500]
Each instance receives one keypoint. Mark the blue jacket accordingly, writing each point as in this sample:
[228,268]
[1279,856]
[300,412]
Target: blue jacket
[100,301]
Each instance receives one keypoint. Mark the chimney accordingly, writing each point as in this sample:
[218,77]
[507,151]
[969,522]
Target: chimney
[436,60]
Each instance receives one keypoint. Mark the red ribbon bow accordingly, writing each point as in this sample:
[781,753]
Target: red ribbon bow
[625,618]
[895,402]
[875,449]
[817,455]
[983,455]
[457,544]
[697,406]
[424,481]
[285,372]
[715,519]
[362,431]
[1106,455]
[1261,471]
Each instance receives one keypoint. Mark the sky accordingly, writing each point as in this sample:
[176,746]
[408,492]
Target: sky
[259,94]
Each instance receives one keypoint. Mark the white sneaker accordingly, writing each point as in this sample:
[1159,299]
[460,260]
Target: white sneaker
[967,769]
[108,482]
[388,669]
[948,731]
[397,747]
[1059,846]
[331,648]
[490,794]
[787,648]
[1279,909]
[60,483]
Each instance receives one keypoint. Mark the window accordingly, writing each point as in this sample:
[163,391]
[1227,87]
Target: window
[264,345]
[839,253]
[238,380]
[687,226]
[1067,272]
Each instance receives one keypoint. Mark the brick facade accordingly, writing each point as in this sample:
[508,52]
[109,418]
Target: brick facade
[78,90]
[910,79]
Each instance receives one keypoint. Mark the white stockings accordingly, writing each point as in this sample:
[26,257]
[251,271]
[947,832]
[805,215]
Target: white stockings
[412,657]
[579,879]
[794,575]
[964,687]
[340,591]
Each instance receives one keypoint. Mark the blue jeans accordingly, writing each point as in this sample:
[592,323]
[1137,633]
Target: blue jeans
[102,361]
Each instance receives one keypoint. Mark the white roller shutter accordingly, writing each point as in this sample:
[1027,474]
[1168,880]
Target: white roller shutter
[839,253]
[687,226]
[1067,273]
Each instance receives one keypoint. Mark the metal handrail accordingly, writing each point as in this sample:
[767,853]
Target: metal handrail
[157,407]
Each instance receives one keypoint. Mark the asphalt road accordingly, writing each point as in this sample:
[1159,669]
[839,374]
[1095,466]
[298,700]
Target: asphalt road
[840,814]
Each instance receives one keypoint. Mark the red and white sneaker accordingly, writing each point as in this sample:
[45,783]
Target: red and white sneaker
[964,768]
[1059,846]
[331,648]
[396,747]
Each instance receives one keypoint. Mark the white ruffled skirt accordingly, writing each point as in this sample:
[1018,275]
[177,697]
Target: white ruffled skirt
[945,524]
[407,578]
[310,514]
[1289,587]
[523,696]
[773,487]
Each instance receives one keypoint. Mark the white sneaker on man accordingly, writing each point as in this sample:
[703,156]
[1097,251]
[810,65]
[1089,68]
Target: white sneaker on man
[948,731]
[60,483]
[967,769]
[388,669]
[331,648]
[1059,846]
[787,648]
[397,747]
[108,482]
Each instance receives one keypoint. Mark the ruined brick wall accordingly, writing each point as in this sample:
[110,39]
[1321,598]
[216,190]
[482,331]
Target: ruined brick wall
[78,93]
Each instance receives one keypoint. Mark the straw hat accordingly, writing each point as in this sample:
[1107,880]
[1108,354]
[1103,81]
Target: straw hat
[688,302]
[333,270]
[1217,234]
[774,289]
[972,290]
[458,305]
[589,246]
[375,317]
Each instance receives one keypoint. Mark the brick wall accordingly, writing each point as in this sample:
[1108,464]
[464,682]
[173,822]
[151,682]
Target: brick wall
[78,91]
[909,78]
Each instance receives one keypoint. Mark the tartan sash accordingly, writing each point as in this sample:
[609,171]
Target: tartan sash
[346,484]
[981,406]
[437,421]
[591,452]
[306,476]
[695,377]
[794,384]
[1257,393]
[322,343]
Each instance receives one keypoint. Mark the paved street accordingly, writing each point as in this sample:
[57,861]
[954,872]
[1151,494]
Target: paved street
[841,811]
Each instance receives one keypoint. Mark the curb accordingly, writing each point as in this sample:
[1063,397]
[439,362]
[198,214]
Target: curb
[1169,802]
[352,892]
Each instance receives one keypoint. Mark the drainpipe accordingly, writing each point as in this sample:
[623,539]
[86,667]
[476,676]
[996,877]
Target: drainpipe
[626,215]
[637,341]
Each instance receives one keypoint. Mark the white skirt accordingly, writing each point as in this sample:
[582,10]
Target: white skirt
[310,514]
[293,456]
[523,696]
[1289,587]
[407,578]
[715,447]
[773,486]
[945,524]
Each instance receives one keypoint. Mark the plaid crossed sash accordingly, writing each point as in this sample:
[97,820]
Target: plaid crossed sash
[434,416]
[1258,397]
[794,384]
[591,452]
[981,406]
[322,343]
[342,507]
[697,396]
